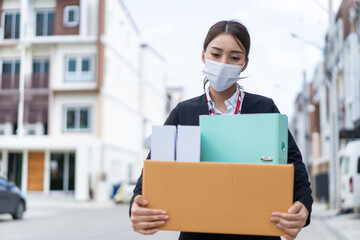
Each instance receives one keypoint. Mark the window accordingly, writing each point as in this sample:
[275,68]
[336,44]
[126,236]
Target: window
[77,118]
[358,166]
[12,25]
[345,165]
[79,68]
[10,74]
[40,77]
[71,16]
[62,171]
[45,23]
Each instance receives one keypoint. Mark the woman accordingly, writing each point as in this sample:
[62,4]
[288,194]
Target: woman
[225,55]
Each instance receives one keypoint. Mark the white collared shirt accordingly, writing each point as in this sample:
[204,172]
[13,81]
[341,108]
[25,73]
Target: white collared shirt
[229,103]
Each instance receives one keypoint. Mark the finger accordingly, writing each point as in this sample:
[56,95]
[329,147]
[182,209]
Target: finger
[148,225]
[288,237]
[151,218]
[147,231]
[296,207]
[302,215]
[288,224]
[140,200]
[140,211]
[291,232]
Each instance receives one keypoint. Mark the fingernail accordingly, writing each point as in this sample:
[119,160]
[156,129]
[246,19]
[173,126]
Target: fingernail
[162,222]
[274,214]
[273,219]
[163,212]
[166,217]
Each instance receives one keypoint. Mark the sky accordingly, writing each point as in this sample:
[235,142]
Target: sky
[176,29]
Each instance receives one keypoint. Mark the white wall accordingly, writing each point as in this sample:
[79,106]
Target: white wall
[61,100]
[11,4]
[93,17]
[121,125]
[117,162]
[58,75]
[153,87]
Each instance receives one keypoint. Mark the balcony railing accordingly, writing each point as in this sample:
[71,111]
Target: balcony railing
[9,81]
[38,81]
[34,81]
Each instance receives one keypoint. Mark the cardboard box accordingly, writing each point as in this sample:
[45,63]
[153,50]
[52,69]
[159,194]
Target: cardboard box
[163,142]
[188,144]
[219,197]
[244,138]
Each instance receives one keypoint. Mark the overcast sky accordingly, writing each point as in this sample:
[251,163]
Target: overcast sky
[176,30]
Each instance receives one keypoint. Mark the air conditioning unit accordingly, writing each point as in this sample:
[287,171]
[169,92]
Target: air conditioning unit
[6,128]
[34,128]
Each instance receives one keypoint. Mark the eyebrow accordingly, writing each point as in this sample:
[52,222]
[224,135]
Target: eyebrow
[232,51]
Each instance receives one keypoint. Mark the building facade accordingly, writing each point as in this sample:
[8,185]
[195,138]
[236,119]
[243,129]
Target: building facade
[72,95]
[334,102]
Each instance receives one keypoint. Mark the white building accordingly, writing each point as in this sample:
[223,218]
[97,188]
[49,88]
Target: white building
[335,98]
[71,95]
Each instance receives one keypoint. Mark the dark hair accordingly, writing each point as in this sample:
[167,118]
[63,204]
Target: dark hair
[235,29]
[232,27]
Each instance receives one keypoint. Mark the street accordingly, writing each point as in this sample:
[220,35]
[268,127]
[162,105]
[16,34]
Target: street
[60,217]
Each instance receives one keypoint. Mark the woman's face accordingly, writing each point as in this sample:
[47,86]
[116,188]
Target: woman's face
[224,48]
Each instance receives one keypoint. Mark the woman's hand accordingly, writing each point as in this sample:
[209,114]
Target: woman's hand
[291,222]
[146,221]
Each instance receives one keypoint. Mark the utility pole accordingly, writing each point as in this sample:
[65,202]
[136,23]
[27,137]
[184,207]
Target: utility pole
[305,103]
[334,162]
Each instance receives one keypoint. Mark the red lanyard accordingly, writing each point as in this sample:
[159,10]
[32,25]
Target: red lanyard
[237,109]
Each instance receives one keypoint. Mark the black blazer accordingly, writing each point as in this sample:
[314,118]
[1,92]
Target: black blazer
[188,112]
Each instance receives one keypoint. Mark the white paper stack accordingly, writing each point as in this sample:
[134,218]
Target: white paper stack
[163,142]
[188,144]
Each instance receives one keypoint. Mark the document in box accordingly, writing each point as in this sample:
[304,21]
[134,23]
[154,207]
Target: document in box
[163,141]
[188,144]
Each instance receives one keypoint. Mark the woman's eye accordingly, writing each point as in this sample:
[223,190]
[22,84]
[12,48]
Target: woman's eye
[215,55]
[235,58]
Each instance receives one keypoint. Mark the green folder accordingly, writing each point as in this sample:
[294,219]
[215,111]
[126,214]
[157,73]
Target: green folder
[244,138]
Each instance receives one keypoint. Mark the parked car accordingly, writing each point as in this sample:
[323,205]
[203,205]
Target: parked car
[12,201]
[124,193]
[350,177]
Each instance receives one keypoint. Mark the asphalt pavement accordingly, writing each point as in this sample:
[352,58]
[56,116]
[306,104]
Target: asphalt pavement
[61,217]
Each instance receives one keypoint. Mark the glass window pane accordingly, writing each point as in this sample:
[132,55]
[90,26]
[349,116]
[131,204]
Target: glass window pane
[17,25]
[85,65]
[51,16]
[71,15]
[39,23]
[46,66]
[72,171]
[84,119]
[6,67]
[8,25]
[40,17]
[8,18]
[15,168]
[17,66]
[50,23]
[70,119]
[36,67]
[72,65]
[57,171]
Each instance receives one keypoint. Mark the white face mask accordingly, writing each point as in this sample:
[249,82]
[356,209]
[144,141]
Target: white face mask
[220,75]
